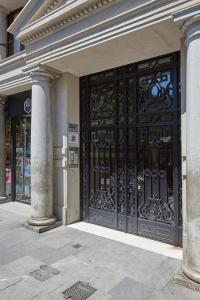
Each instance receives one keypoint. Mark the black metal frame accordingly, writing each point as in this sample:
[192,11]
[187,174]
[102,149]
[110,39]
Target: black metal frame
[126,112]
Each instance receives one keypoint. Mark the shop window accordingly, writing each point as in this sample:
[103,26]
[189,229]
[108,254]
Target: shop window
[8,156]
[13,45]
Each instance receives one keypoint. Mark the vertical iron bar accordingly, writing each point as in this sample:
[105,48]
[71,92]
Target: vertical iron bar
[135,137]
[125,146]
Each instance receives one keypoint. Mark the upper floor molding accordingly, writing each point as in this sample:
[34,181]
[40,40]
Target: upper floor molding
[37,20]
[41,18]
[62,30]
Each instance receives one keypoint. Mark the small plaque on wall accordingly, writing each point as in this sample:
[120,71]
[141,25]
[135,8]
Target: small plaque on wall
[73,127]
[73,134]
[73,157]
[73,138]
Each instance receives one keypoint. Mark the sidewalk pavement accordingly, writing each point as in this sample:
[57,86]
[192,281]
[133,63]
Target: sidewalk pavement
[65,255]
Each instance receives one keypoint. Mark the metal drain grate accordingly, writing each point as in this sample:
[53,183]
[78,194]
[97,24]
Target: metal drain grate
[79,291]
[77,246]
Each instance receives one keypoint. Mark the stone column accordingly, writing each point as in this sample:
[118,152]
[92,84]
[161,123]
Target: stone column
[3,33]
[41,149]
[2,152]
[191,263]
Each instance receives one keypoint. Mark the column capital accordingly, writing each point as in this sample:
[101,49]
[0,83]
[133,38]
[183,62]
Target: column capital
[3,10]
[40,73]
[2,101]
[191,28]
[188,21]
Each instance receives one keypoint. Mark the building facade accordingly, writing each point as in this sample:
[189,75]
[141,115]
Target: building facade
[93,118]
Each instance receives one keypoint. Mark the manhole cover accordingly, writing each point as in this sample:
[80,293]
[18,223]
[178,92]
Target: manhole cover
[79,291]
[44,272]
[50,269]
[77,246]
[40,274]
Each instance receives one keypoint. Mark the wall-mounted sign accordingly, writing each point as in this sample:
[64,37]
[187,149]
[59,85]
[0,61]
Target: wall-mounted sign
[73,135]
[27,105]
[73,157]
[19,104]
[73,138]
[73,127]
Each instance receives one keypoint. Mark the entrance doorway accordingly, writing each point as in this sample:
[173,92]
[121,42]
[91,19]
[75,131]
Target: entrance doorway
[130,149]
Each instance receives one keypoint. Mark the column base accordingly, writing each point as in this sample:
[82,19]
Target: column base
[3,200]
[183,280]
[41,229]
[41,221]
[191,273]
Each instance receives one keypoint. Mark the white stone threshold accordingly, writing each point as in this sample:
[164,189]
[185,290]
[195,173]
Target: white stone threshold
[129,239]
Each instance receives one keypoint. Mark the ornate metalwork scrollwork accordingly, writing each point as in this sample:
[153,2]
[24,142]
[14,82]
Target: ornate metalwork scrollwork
[121,188]
[102,101]
[153,208]
[155,93]
[103,199]
[131,192]
[156,207]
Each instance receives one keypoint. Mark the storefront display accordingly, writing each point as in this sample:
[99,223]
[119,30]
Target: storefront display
[18,148]
[23,162]
[8,157]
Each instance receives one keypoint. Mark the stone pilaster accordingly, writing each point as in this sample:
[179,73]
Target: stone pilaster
[2,151]
[191,263]
[41,148]
[66,112]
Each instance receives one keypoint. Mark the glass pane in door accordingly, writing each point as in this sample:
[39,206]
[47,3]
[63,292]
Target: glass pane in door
[23,159]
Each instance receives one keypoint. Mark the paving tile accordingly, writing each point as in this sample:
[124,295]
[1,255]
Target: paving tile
[116,270]
[173,291]
[24,265]
[166,271]
[20,289]
[130,289]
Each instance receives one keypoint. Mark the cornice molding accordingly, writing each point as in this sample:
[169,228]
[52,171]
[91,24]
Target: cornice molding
[51,6]
[10,85]
[114,27]
[78,14]
[47,8]
[12,62]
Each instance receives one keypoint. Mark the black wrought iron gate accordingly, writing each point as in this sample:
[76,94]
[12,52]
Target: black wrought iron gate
[130,148]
